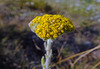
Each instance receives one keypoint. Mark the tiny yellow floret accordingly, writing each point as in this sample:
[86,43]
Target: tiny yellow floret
[51,26]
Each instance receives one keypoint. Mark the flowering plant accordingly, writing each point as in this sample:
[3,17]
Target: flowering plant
[49,27]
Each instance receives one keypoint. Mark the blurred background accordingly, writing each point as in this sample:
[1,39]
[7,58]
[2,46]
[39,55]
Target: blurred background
[20,48]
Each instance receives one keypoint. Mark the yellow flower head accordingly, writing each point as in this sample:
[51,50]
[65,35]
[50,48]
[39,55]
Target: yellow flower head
[50,26]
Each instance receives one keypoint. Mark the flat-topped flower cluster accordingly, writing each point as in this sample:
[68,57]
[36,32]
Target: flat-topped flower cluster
[51,26]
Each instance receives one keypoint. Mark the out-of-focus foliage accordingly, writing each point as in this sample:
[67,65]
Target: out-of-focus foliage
[20,48]
[87,10]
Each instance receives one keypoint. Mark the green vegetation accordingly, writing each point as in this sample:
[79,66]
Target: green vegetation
[17,47]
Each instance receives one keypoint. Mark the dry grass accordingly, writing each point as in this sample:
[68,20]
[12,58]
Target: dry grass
[82,54]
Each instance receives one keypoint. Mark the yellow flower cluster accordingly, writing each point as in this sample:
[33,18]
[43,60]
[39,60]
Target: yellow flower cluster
[51,26]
